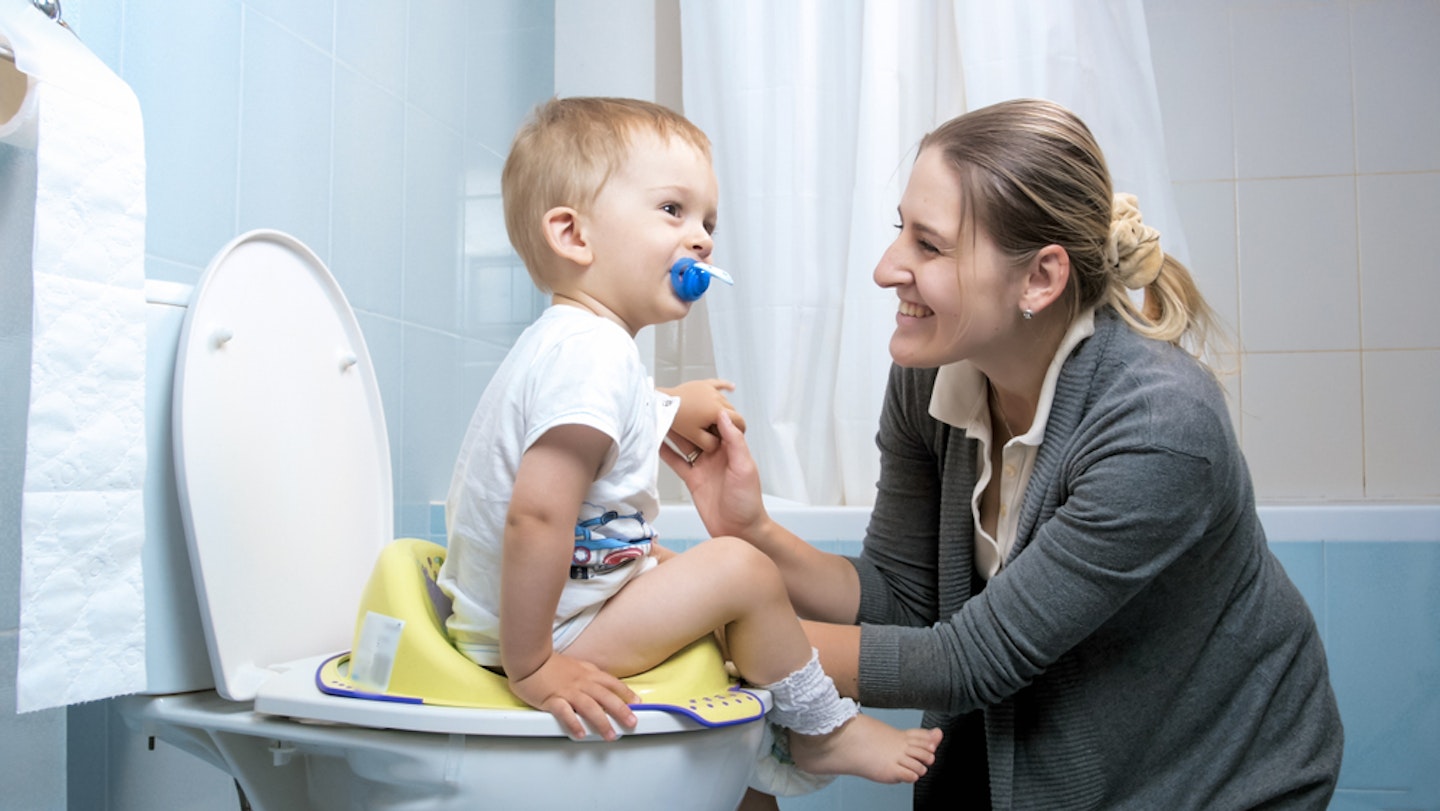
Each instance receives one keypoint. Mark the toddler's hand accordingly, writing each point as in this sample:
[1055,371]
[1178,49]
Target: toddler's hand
[701,403]
[571,690]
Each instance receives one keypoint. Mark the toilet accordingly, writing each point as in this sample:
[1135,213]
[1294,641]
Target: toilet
[266,560]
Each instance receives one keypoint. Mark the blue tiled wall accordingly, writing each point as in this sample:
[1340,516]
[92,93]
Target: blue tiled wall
[1378,604]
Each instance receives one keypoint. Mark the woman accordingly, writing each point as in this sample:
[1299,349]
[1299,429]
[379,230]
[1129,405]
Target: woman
[1064,567]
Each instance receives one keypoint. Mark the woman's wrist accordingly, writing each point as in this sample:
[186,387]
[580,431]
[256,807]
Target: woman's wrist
[764,533]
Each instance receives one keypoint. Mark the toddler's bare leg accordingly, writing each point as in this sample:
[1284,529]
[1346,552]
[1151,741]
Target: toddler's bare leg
[727,582]
[723,582]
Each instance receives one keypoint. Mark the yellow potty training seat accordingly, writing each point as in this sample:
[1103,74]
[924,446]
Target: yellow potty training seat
[402,653]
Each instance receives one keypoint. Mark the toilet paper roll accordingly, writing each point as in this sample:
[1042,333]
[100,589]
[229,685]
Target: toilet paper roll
[82,622]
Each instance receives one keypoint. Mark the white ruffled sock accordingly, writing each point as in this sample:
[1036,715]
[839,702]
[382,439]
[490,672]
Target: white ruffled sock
[807,702]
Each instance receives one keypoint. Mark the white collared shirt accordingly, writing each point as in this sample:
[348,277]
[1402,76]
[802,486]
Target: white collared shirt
[961,399]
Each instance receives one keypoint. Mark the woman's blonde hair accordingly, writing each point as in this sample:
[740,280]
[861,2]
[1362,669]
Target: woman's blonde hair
[563,155]
[1032,175]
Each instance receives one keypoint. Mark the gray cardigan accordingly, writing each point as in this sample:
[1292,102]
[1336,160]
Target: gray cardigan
[1141,648]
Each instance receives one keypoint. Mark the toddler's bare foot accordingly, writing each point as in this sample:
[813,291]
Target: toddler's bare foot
[869,748]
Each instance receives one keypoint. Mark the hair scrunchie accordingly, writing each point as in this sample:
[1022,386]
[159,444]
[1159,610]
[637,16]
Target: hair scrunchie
[1133,249]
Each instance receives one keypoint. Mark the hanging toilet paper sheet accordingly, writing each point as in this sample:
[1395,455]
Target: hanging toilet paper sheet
[82,623]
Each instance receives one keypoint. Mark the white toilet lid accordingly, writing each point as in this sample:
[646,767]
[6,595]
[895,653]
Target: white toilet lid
[282,459]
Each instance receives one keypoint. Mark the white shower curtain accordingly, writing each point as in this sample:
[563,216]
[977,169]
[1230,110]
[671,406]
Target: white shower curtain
[814,108]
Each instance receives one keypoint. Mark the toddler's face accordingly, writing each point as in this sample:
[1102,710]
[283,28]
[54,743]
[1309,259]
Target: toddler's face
[659,207]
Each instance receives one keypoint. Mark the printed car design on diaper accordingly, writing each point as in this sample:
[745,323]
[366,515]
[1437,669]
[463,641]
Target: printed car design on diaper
[625,538]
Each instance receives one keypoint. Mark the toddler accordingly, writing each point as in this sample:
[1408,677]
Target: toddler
[552,566]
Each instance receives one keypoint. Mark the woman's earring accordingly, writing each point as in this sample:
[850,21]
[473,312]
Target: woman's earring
[1027,313]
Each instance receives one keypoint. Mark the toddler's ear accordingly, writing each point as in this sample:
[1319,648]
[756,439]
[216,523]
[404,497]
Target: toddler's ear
[563,233]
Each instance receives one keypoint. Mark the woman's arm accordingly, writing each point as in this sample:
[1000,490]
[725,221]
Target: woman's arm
[920,522]
[725,488]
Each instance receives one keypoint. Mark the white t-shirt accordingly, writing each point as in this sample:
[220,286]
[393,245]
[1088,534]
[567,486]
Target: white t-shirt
[570,367]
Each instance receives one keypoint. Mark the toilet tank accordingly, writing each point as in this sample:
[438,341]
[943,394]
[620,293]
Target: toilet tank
[176,659]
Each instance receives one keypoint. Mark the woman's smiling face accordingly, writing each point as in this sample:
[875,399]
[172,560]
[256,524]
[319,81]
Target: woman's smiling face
[957,290]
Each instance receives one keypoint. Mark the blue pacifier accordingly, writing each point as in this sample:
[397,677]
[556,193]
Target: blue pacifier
[691,278]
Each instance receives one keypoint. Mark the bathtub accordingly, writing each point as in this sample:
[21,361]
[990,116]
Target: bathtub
[1285,523]
[1371,574]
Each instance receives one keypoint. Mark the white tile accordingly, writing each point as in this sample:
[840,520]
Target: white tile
[525,306]
[493,292]
[368,194]
[510,71]
[167,271]
[1190,51]
[1292,91]
[434,189]
[478,361]
[434,78]
[485,234]
[1301,420]
[385,343]
[285,135]
[32,744]
[312,20]
[1227,370]
[183,62]
[1207,211]
[488,293]
[1397,85]
[1399,218]
[1299,282]
[102,28]
[432,424]
[1402,446]
[370,38]
[483,167]
[510,15]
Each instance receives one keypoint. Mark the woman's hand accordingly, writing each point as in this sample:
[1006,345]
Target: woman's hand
[701,404]
[571,690]
[724,485]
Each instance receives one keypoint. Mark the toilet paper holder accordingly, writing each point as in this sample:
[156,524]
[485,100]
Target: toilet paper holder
[51,9]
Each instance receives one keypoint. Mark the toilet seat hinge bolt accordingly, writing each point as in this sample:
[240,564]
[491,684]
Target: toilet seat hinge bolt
[282,752]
